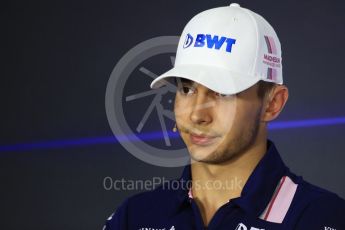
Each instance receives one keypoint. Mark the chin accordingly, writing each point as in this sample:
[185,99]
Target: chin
[217,156]
[202,154]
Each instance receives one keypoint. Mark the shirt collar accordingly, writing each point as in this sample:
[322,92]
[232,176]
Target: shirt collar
[259,187]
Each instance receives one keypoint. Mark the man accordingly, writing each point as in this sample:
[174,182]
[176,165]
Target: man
[228,72]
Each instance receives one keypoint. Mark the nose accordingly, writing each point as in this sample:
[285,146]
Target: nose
[201,109]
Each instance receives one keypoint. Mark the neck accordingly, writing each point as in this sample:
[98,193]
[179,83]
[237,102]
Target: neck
[225,181]
[235,169]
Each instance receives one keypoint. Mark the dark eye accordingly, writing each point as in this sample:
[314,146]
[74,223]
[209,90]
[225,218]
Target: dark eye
[186,90]
[223,95]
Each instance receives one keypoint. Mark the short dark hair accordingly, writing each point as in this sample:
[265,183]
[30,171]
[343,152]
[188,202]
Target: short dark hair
[264,88]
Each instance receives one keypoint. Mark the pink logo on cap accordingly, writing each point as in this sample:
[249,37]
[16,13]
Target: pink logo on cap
[270,59]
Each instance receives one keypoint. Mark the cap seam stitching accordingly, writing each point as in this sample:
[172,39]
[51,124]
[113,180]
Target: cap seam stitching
[257,41]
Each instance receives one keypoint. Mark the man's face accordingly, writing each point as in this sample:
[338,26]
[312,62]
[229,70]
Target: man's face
[216,128]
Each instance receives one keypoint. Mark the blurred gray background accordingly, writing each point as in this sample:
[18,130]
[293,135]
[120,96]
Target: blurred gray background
[56,146]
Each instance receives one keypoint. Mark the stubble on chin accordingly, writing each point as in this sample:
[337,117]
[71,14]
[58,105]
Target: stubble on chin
[227,150]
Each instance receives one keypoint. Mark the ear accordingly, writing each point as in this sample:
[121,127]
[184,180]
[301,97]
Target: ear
[274,102]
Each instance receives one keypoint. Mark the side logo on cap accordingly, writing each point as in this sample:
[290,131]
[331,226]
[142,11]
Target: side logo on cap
[188,41]
[271,60]
[212,42]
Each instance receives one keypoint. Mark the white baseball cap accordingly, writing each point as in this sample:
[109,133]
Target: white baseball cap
[227,49]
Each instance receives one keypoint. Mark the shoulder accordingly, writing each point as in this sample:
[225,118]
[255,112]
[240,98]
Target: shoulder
[142,207]
[318,208]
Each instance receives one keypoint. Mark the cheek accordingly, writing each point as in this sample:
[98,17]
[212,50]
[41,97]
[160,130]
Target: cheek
[225,116]
[181,108]
[185,138]
[247,114]
[177,109]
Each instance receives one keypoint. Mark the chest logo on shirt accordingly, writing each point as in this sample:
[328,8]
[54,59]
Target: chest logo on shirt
[241,226]
[172,228]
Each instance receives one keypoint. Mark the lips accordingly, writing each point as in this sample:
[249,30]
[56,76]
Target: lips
[201,139]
